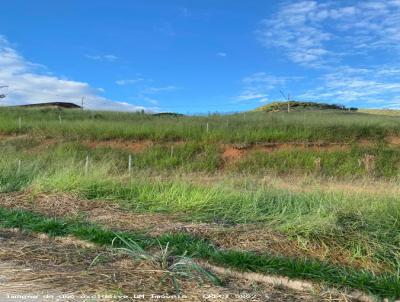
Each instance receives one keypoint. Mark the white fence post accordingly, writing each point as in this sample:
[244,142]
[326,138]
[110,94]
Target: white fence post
[129,163]
[87,164]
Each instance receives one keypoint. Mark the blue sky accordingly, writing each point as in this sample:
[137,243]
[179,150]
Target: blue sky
[200,55]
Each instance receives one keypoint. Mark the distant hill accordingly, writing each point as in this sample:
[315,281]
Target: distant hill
[299,106]
[53,105]
[173,114]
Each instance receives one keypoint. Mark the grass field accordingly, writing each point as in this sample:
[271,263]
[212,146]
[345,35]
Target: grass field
[309,195]
[250,127]
[388,112]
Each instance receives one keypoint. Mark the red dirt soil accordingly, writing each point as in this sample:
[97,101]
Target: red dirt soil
[135,147]
[232,154]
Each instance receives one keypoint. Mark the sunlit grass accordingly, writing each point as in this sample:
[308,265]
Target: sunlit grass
[251,127]
[388,112]
[361,222]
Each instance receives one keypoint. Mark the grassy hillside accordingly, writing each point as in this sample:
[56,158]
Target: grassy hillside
[300,106]
[253,127]
[322,185]
[388,112]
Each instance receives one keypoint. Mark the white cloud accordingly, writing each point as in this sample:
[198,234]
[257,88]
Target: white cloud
[264,80]
[257,86]
[315,34]
[128,81]
[27,85]
[151,94]
[165,29]
[376,85]
[292,31]
[222,54]
[155,90]
[151,100]
[184,12]
[338,39]
[107,57]
[251,95]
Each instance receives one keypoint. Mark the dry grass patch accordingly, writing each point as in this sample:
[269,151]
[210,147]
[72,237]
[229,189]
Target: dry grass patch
[245,237]
[34,265]
[133,146]
[254,237]
[393,140]
[310,146]
[53,266]
[102,212]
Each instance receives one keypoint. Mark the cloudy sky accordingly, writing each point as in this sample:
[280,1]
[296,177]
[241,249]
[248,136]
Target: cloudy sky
[200,55]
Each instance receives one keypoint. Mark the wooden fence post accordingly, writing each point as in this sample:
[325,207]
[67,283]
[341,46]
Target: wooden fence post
[87,164]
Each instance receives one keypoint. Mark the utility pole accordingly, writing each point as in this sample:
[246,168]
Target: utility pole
[288,99]
[82,99]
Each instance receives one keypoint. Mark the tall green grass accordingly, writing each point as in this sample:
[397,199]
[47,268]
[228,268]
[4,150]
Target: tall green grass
[334,163]
[362,223]
[236,128]
[203,157]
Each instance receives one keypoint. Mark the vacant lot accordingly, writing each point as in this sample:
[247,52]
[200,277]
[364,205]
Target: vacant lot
[126,204]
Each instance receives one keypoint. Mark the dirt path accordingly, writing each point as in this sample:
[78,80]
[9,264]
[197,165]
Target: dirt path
[38,268]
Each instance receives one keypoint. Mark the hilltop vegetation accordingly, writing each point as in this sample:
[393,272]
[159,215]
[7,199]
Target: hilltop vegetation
[299,106]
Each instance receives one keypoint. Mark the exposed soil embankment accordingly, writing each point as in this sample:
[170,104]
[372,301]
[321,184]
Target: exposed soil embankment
[142,145]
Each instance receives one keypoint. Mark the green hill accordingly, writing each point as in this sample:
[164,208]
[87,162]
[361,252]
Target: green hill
[297,106]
